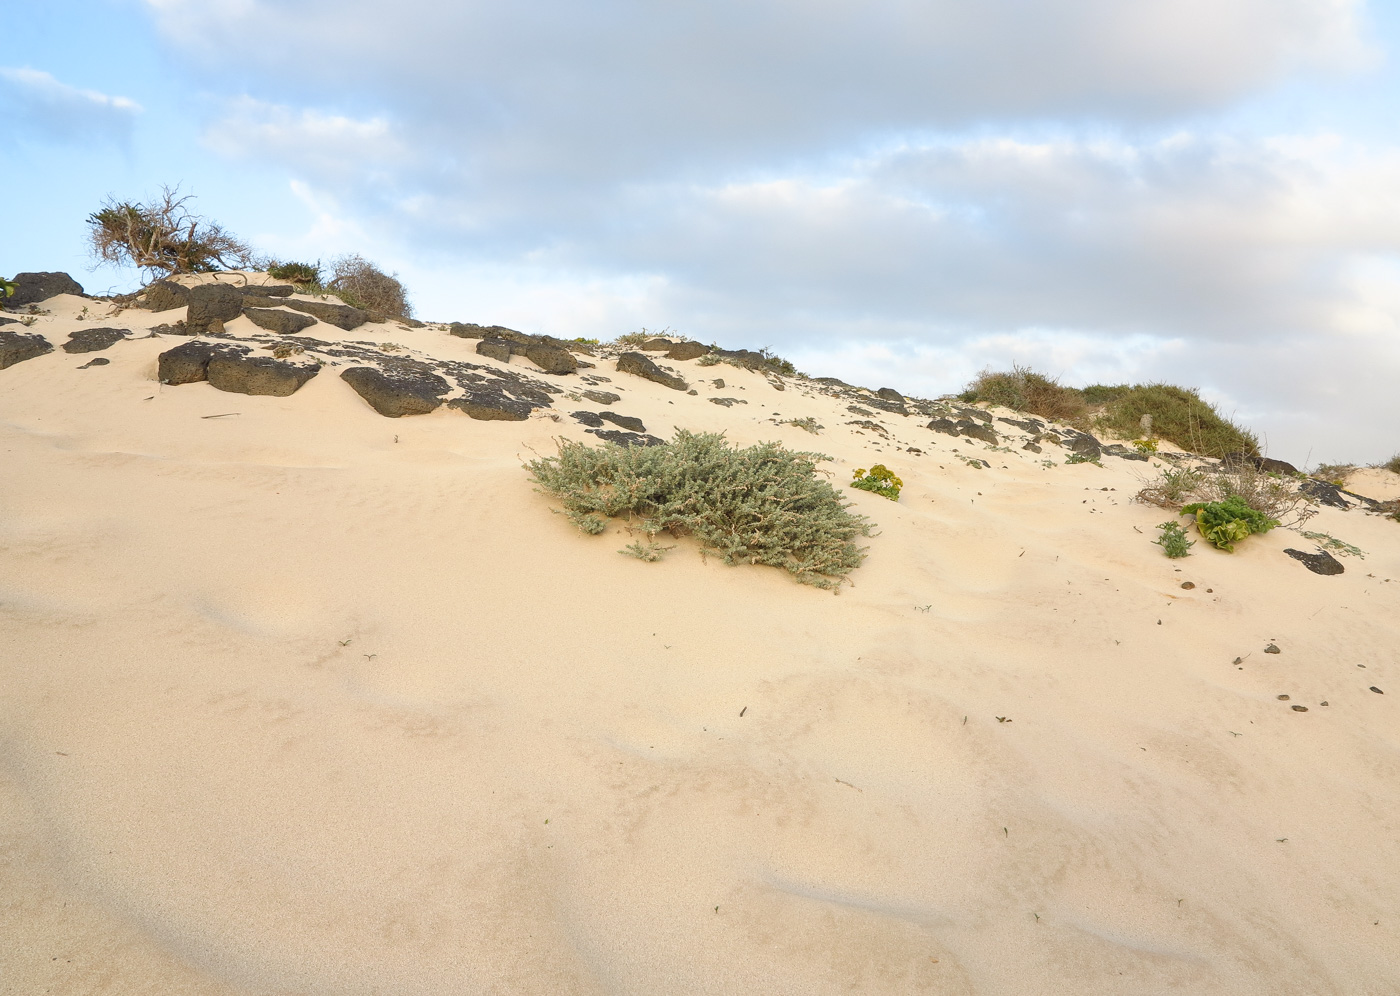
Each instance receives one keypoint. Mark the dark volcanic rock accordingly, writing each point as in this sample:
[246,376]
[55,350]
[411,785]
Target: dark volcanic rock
[211,303]
[163,295]
[1029,425]
[588,418]
[1123,453]
[96,361]
[602,397]
[268,290]
[470,330]
[401,387]
[240,371]
[186,363]
[492,406]
[1328,494]
[93,340]
[1321,562]
[1234,461]
[624,421]
[496,349]
[726,402]
[642,366]
[1086,446]
[31,288]
[964,427]
[550,358]
[626,438]
[279,320]
[658,345]
[258,301]
[177,329]
[687,351]
[16,347]
[342,316]
[890,394]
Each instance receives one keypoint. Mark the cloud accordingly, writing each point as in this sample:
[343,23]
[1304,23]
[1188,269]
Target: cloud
[34,105]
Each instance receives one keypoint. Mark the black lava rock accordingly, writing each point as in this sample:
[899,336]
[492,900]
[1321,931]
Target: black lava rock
[93,340]
[16,347]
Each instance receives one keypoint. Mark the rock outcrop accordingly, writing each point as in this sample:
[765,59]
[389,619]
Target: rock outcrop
[16,347]
[342,316]
[602,397]
[279,320]
[687,351]
[186,363]
[550,358]
[496,349]
[164,295]
[93,340]
[640,365]
[1321,562]
[400,387]
[210,303]
[239,370]
[31,288]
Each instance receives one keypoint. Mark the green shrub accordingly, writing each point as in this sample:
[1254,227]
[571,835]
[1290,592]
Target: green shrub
[301,274]
[761,505]
[1179,415]
[809,424]
[7,289]
[1024,390]
[1173,540]
[1392,465]
[880,480]
[1145,446]
[1225,523]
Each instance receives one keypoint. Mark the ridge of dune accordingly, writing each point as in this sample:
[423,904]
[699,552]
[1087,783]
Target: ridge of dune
[303,699]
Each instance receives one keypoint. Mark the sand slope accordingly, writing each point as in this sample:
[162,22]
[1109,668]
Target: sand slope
[306,700]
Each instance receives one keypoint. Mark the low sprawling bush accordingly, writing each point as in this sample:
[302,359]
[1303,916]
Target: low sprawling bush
[304,275]
[1392,465]
[760,505]
[1273,497]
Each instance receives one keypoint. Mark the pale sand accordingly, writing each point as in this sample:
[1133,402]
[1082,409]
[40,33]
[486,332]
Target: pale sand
[291,707]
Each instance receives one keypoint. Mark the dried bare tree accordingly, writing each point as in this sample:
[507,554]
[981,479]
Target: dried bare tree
[360,283]
[163,237]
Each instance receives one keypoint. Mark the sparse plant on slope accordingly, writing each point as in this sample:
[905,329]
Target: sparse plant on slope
[1273,497]
[1225,523]
[761,505]
[1179,415]
[880,480]
[1331,544]
[1024,390]
[1145,446]
[1334,473]
[163,237]
[1173,540]
[361,284]
[1392,465]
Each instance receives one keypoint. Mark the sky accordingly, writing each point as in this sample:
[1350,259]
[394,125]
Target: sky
[900,193]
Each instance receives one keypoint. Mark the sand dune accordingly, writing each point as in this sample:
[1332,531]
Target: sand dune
[301,699]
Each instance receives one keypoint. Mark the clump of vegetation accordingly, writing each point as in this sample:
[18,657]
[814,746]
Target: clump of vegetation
[282,350]
[163,237]
[1173,540]
[1331,544]
[1024,390]
[809,424]
[7,290]
[303,275]
[650,552]
[1145,446]
[1392,465]
[1334,473]
[1225,523]
[361,284]
[1174,488]
[708,360]
[1083,458]
[633,340]
[1176,414]
[1271,496]
[760,505]
[879,480]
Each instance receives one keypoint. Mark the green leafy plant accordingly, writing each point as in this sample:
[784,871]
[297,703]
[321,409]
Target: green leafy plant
[809,424]
[880,480]
[760,505]
[1173,540]
[1083,458]
[7,290]
[1145,446]
[1225,523]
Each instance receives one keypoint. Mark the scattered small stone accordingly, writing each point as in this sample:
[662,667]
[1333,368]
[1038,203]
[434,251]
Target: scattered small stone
[1298,708]
[1188,585]
[1283,698]
[1272,649]
[1377,690]
[1323,702]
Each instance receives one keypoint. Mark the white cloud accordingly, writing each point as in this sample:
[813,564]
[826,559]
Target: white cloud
[35,105]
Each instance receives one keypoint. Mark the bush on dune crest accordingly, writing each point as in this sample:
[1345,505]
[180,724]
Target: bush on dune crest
[759,505]
[1179,414]
[163,236]
[361,284]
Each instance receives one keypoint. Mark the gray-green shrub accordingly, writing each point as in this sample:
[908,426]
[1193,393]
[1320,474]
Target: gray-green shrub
[762,504]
